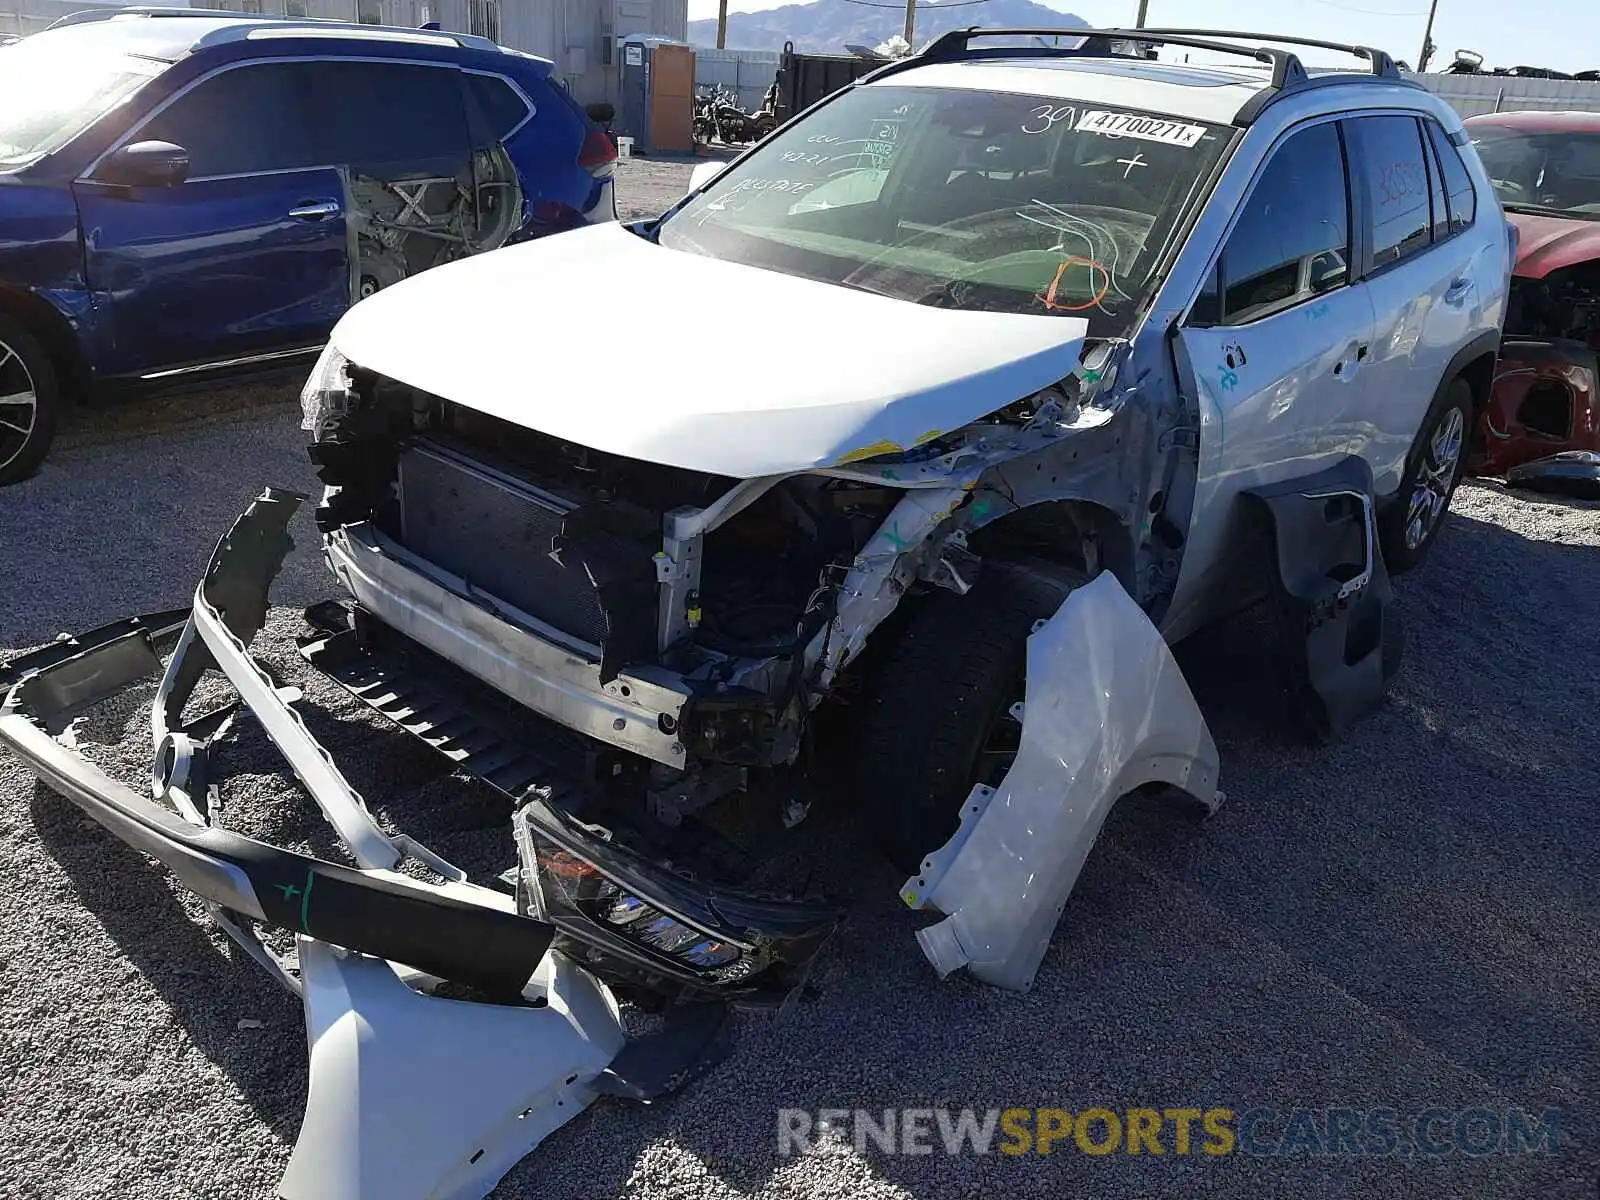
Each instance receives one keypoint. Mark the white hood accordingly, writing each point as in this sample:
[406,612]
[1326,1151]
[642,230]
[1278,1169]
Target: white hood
[602,338]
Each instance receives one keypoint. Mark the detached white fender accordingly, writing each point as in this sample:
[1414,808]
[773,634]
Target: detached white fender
[1106,711]
[414,1097]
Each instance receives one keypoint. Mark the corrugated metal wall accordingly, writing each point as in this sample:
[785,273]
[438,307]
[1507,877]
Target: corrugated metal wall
[748,72]
[30,16]
[1471,95]
[579,36]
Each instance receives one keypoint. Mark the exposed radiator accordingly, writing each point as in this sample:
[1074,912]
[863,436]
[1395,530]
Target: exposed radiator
[496,532]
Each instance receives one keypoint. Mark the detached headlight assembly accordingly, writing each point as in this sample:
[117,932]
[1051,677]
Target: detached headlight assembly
[326,395]
[653,925]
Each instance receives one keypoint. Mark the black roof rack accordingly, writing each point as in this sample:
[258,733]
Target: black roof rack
[1097,43]
[1378,61]
[1288,72]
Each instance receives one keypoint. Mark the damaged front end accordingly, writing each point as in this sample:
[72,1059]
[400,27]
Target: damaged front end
[1545,404]
[412,1094]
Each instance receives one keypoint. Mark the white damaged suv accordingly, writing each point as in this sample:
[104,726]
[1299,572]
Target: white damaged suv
[1045,358]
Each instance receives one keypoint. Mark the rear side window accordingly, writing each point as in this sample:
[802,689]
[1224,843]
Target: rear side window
[1292,240]
[241,122]
[374,114]
[495,108]
[1395,177]
[1459,192]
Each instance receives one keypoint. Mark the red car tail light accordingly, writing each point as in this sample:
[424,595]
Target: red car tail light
[598,155]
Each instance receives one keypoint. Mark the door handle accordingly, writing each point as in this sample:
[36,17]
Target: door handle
[1457,291]
[1357,353]
[318,210]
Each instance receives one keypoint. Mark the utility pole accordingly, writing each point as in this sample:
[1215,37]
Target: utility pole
[911,19]
[1427,39]
[1144,8]
[722,24]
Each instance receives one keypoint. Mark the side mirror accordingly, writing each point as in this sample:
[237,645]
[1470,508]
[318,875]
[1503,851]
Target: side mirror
[704,173]
[146,164]
[1327,271]
[602,113]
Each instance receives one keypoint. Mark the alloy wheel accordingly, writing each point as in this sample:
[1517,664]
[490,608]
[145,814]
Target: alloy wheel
[1436,478]
[19,405]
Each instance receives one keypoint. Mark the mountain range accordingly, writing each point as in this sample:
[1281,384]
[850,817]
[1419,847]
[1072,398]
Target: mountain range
[828,26]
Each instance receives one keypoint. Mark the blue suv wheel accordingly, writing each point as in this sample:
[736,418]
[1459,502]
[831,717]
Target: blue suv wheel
[29,397]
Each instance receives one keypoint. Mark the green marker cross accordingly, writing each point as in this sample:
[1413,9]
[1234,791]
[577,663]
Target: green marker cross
[290,891]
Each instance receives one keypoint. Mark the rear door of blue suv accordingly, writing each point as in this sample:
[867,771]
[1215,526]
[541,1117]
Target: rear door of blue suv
[187,196]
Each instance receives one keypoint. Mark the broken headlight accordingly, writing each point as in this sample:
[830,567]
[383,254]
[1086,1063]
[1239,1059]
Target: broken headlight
[651,923]
[326,394]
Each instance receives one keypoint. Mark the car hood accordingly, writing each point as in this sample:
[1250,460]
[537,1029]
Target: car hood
[1550,243]
[602,338]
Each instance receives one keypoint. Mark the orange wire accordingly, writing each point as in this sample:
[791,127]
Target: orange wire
[1049,297]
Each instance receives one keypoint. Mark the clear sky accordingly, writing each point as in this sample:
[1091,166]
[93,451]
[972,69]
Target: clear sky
[1564,34]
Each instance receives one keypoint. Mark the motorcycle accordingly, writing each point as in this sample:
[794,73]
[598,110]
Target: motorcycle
[718,117]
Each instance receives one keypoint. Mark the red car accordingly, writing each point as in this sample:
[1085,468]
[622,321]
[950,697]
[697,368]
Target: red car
[1542,425]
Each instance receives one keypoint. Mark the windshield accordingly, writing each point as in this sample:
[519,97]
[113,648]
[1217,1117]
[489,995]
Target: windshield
[962,199]
[1557,174]
[48,96]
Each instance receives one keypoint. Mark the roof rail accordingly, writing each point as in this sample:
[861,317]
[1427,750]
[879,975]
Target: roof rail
[1097,43]
[278,22]
[1379,62]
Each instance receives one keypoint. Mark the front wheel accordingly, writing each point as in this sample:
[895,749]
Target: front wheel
[939,716]
[1433,468]
[29,398]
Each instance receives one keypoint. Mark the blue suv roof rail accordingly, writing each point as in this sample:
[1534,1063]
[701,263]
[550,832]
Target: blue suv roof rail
[247,23]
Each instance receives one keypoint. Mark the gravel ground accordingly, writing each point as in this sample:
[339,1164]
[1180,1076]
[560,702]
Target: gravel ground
[1406,919]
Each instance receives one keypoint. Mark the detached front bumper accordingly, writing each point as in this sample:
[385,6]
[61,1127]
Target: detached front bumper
[701,940]
[455,930]
[412,1096]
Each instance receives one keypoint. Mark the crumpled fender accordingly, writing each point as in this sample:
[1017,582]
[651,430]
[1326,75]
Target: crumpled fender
[416,1097]
[1107,711]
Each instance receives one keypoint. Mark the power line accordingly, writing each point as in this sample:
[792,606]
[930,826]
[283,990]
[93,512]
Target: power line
[1372,12]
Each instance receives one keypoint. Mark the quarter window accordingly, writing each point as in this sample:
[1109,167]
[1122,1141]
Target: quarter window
[241,122]
[1292,240]
[1395,176]
[499,109]
[1463,197]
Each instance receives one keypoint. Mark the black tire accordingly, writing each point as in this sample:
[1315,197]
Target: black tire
[954,673]
[1402,549]
[25,434]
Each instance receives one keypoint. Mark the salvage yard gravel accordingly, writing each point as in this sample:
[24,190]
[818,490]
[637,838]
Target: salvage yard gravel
[1399,929]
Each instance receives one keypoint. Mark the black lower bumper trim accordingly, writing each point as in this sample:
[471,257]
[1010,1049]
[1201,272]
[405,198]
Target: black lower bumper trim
[389,917]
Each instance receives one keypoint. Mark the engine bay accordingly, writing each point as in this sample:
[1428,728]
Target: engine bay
[1564,305]
[567,542]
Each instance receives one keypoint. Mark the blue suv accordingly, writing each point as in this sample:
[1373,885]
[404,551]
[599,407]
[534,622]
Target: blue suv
[187,193]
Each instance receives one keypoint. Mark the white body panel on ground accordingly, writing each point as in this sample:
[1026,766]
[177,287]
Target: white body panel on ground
[1107,711]
[414,1097]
